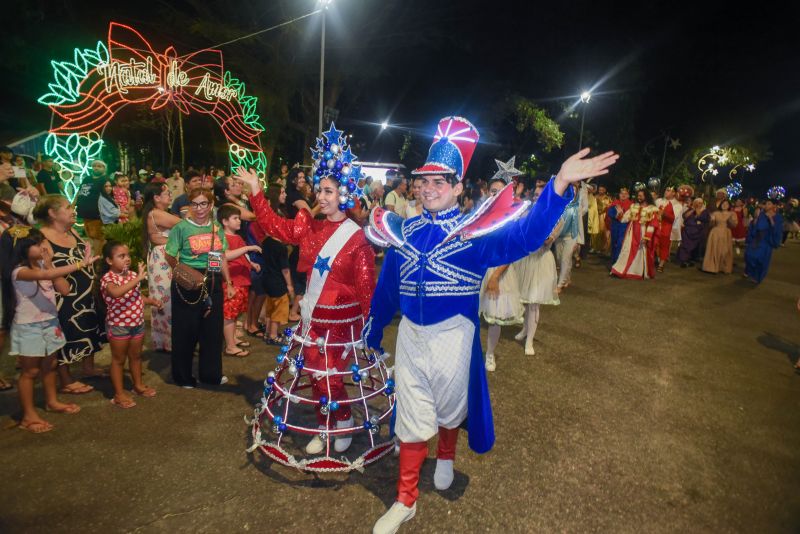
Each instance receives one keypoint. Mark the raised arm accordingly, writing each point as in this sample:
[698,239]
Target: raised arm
[287,230]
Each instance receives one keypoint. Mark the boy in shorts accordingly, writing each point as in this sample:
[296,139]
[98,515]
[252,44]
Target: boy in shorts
[278,286]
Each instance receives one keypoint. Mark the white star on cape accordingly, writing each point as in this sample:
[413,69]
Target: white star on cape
[506,171]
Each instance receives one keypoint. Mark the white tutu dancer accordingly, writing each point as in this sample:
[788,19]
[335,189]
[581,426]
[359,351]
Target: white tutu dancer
[499,302]
[499,305]
[538,284]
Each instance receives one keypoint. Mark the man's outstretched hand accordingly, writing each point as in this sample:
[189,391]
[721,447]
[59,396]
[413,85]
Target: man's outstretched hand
[578,167]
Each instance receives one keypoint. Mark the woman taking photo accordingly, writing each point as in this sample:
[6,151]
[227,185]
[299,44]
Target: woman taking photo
[195,251]
[77,310]
[157,222]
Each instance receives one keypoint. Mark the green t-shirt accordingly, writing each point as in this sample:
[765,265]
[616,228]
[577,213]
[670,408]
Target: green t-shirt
[190,242]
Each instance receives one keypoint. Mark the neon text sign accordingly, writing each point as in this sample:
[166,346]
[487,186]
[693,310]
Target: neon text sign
[90,90]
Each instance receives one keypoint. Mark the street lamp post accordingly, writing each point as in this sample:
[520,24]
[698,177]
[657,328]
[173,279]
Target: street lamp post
[324,4]
[585,97]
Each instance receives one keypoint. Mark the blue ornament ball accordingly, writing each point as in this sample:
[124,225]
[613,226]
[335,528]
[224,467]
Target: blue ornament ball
[351,186]
[367,425]
[267,391]
[351,204]
[277,419]
[356,377]
[320,171]
[282,427]
[280,357]
[270,380]
[354,368]
[338,165]
[390,383]
[388,391]
[287,332]
[327,155]
[333,406]
[327,146]
[342,207]
[323,400]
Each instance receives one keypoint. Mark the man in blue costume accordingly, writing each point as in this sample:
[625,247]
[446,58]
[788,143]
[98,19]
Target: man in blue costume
[432,274]
[763,235]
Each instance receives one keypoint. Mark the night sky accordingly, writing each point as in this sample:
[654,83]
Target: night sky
[710,75]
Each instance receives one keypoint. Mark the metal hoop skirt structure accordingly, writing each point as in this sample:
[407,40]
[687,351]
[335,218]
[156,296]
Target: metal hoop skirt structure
[286,405]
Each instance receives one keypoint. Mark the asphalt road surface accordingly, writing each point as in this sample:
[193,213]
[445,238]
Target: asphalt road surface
[662,406]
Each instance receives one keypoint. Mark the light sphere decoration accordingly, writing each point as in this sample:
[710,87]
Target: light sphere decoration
[776,192]
[654,183]
[734,189]
[586,96]
[384,125]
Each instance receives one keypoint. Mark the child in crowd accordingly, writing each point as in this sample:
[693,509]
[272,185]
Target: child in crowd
[122,196]
[239,266]
[278,286]
[36,334]
[109,210]
[125,321]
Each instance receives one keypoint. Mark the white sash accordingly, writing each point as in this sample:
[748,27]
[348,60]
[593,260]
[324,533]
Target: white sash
[330,250]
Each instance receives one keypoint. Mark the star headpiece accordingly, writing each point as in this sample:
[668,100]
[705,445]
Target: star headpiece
[334,159]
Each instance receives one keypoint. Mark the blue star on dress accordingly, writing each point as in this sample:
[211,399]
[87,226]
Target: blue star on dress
[322,265]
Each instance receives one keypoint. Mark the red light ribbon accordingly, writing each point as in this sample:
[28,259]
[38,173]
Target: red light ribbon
[101,98]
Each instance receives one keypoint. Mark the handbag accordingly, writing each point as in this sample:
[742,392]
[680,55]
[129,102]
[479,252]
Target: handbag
[190,278]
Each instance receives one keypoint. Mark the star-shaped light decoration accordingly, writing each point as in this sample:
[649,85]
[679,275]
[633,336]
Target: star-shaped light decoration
[506,171]
[348,156]
[322,265]
[674,143]
[333,135]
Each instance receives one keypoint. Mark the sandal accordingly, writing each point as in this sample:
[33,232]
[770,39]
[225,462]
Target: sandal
[147,392]
[238,354]
[36,427]
[257,333]
[242,343]
[273,341]
[76,388]
[124,405]
[67,409]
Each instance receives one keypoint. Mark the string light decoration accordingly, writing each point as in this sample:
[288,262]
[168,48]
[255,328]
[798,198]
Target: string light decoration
[776,192]
[717,157]
[87,93]
[286,409]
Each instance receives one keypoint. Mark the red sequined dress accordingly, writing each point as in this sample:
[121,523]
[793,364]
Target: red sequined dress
[339,313]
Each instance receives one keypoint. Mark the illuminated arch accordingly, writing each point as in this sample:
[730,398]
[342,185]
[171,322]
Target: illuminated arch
[87,92]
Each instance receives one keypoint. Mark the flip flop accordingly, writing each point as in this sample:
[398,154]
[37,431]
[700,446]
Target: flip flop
[242,343]
[69,409]
[257,333]
[239,354]
[36,427]
[80,389]
[148,392]
[123,405]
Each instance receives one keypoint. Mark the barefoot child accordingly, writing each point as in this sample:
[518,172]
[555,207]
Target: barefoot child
[239,266]
[125,321]
[35,332]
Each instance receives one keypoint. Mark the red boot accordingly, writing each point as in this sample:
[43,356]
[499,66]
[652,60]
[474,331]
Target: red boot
[445,455]
[412,456]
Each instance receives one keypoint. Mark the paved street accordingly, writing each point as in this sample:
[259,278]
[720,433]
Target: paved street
[662,406]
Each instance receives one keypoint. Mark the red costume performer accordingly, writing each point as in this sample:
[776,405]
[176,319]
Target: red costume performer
[663,236]
[338,315]
[637,257]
